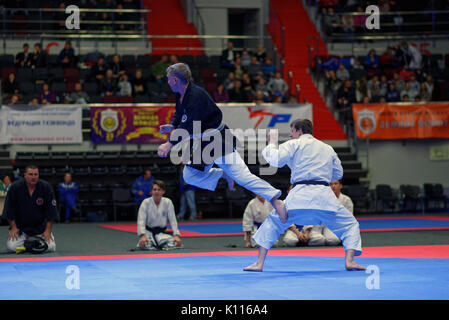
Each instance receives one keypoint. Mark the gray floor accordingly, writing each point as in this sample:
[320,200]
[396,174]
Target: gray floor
[88,239]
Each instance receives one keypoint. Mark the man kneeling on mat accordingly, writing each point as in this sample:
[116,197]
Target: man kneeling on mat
[154,215]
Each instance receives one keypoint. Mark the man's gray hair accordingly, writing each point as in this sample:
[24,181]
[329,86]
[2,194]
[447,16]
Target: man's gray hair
[180,71]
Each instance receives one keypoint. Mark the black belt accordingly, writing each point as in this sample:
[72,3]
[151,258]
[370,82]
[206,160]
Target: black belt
[155,230]
[312,182]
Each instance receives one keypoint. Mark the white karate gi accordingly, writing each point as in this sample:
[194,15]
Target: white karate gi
[319,235]
[310,159]
[157,216]
[255,214]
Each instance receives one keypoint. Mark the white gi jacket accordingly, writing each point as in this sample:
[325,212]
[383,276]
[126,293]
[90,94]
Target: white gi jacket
[154,216]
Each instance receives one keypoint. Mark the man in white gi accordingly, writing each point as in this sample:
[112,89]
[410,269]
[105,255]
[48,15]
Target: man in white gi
[318,235]
[311,201]
[154,215]
[255,214]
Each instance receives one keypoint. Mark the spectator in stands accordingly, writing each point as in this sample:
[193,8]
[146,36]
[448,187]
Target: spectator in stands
[220,94]
[106,22]
[383,85]
[118,69]
[414,56]
[39,57]
[361,89]
[229,82]
[331,21]
[332,80]
[174,59]
[318,235]
[345,95]
[405,98]
[414,84]
[260,53]
[237,68]
[109,84]
[358,71]
[424,93]
[268,68]
[68,194]
[237,94]
[15,99]
[342,73]
[228,56]
[392,94]
[359,20]
[254,67]
[277,98]
[33,102]
[246,59]
[277,85]
[254,215]
[347,24]
[142,186]
[158,69]
[98,70]
[124,86]
[409,92]
[398,82]
[46,96]
[405,74]
[78,96]
[30,208]
[262,86]
[121,16]
[10,85]
[372,59]
[187,192]
[418,98]
[23,58]
[387,59]
[138,84]
[260,97]
[66,57]
[154,215]
[429,84]
[248,85]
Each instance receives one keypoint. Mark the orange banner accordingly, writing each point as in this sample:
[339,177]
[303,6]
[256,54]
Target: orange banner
[401,121]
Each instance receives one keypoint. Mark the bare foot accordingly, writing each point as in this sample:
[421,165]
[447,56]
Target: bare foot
[254,267]
[280,209]
[353,266]
[229,181]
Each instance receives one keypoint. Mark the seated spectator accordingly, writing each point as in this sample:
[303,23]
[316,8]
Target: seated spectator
[254,215]
[277,85]
[418,98]
[374,88]
[387,59]
[228,56]
[414,84]
[277,98]
[361,89]
[392,94]
[261,97]
[33,102]
[409,92]
[398,82]
[345,95]
[124,86]
[268,68]
[237,68]
[66,57]
[220,94]
[342,73]
[246,59]
[142,186]
[420,75]
[254,67]
[429,84]
[14,100]
[405,74]
[159,69]
[260,54]
[405,98]
[39,57]
[118,69]
[174,59]
[109,84]
[413,56]
[98,70]
[372,59]
[359,20]
[23,59]
[154,215]
[229,82]
[238,94]
[247,85]
[78,96]
[383,85]
[68,194]
[358,71]
[121,16]
[292,99]
[332,22]
[332,81]
[106,22]
[10,85]
[138,84]
[347,24]
[46,96]
[262,86]
[424,93]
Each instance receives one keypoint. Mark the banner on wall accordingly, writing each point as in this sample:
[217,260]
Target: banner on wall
[141,124]
[401,121]
[45,124]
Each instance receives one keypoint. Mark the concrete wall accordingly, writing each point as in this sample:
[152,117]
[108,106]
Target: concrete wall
[403,162]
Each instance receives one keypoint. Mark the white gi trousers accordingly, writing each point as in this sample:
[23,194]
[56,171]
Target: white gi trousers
[312,205]
[164,241]
[12,244]
[235,167]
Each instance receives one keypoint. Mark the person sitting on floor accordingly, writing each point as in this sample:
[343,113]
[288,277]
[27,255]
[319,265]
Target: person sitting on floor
[154,215]
[255,214]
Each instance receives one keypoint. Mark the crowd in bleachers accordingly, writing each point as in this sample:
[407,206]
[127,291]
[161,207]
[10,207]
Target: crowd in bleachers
[399,74]
[35,77]
[21,15]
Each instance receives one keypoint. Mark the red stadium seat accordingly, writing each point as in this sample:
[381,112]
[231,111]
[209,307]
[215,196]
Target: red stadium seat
[126,99]
[110,99]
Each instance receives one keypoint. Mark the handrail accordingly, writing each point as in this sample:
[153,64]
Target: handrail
[80,9]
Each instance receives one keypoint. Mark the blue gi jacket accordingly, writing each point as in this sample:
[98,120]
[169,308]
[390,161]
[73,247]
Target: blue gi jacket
[142,185]
[68,194]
